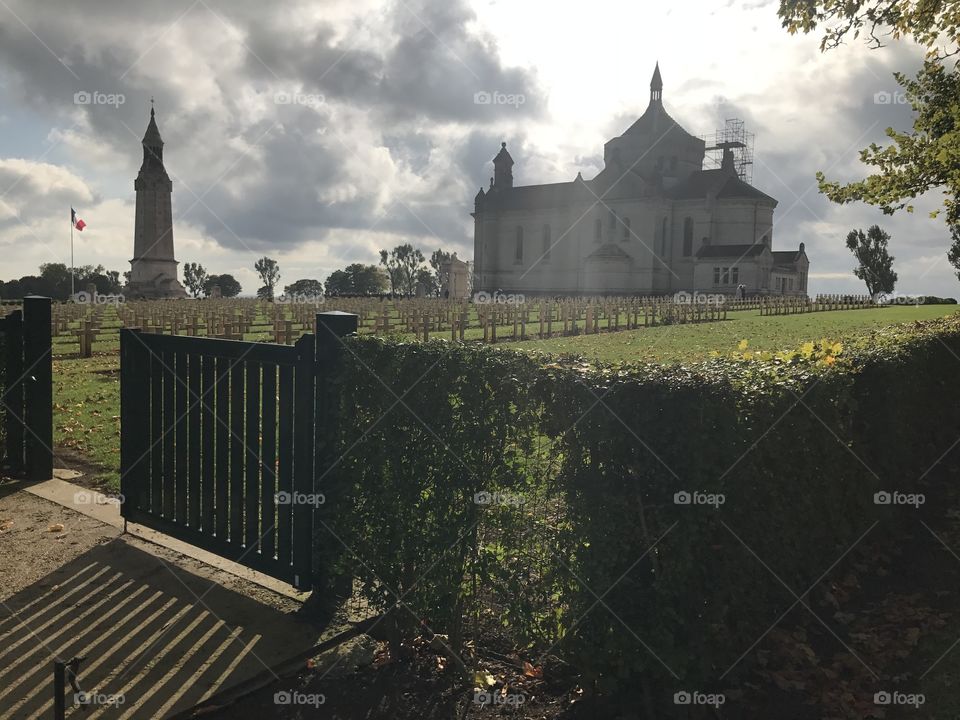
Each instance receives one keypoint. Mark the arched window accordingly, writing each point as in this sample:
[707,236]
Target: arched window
[688,237]
[518,248]
[597,230]
[663,238]
[546,242]
[626,229]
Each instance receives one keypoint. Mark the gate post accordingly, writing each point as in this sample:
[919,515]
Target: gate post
[12,392]
[331,328]
[38,387]
[304,439]
[134,420]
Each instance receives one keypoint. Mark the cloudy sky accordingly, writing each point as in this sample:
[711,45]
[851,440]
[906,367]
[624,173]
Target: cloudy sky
[321,131]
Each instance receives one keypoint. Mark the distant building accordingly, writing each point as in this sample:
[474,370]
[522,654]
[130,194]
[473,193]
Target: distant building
[455,278]
[653,221]
[153,269]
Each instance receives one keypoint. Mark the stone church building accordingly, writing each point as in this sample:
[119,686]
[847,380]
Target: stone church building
[653,221]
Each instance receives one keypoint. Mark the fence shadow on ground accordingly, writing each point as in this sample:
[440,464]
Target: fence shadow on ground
[137,621]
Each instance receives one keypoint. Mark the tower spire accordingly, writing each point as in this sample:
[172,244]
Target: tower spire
[503,169]
[656,85]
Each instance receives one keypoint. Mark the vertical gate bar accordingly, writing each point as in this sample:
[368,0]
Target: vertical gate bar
[254,458]
[13,393]
[195,402]
[38,388]
[156,430]
[268,465]
[59,690]
[182,416]
[207,434]
[237,453]
[304,408]
[169,434]
[223,447]
[285,466]
[135,440]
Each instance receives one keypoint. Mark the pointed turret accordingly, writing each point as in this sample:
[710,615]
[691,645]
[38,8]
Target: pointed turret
[656,86]
[503,169]
[152,146]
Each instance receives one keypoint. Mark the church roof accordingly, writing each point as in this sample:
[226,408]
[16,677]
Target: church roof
[731,251]
[609,252]
[719,183]
[657,121]
[534,197]
[787,257]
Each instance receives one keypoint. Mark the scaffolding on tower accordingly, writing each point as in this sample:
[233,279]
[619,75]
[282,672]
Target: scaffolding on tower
[734,137]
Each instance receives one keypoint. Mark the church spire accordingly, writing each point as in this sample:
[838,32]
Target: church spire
[656,85]
[152,142]
[503,169]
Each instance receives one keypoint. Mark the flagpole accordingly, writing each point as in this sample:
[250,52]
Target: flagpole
[71,254]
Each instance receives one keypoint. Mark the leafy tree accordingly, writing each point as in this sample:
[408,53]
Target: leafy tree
[195,278]
[305,288]
[953,255]
[437,259]
[876,263]
[925,157]
[229,287]
[269,272]
[338,283]
[56,279]
[402,264]
[366,279]
[928,23]
[427,280]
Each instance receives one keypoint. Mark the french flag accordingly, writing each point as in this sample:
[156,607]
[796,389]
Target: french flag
[75,221]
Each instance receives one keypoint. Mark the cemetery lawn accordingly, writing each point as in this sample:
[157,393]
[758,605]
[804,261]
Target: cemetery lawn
[688,343]
[87,391]
[86,418]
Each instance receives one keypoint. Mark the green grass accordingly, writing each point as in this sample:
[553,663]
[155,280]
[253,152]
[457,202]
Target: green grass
[685,343]
[87,391]
[86,416]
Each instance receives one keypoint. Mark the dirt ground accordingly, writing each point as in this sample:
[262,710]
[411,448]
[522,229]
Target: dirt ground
[159,631]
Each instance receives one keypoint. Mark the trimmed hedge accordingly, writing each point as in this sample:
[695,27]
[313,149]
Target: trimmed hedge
[587,553]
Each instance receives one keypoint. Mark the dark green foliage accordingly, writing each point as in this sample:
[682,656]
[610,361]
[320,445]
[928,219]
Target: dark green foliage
[599,563]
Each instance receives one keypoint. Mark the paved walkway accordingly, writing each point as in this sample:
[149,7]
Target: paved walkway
[159,630]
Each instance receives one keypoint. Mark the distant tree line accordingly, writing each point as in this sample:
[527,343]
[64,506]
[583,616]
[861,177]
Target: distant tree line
[54,282]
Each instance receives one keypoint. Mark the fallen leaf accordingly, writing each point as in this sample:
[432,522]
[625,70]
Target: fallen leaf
[530,671]
[56,527]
